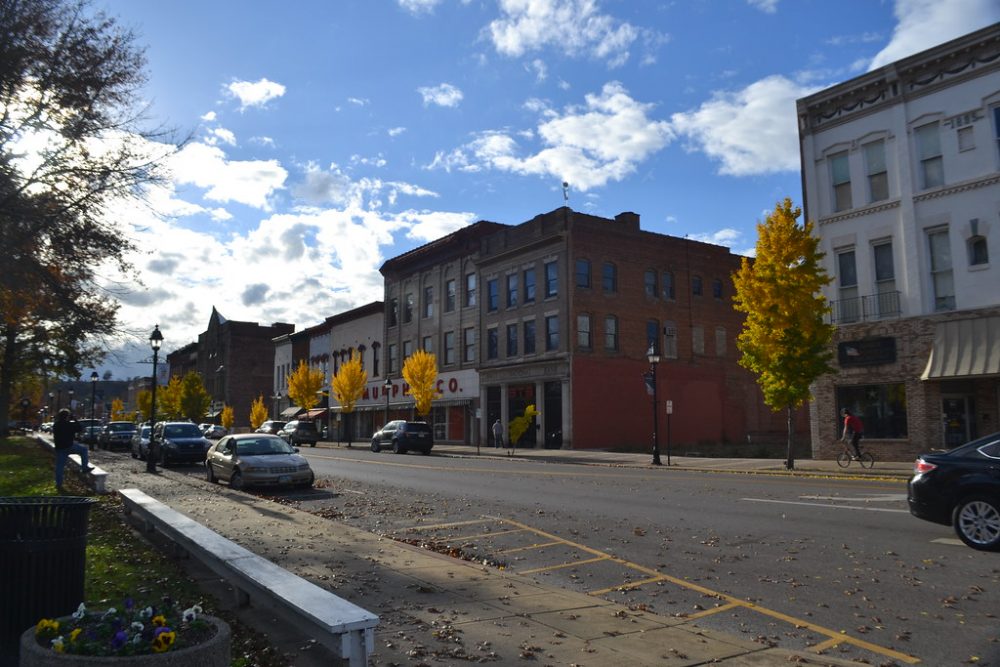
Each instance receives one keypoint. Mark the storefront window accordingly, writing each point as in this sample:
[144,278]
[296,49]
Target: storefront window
[882,408]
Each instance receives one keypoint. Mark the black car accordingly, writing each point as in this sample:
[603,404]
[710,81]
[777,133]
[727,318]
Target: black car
[179,442]
[299,431]
[961,488]
[271,426]
[403,436]
[117,435]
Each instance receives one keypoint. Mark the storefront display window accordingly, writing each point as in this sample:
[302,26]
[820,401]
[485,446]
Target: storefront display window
[882,408]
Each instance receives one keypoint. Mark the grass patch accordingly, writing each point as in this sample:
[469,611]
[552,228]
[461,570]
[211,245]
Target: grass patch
[121,564]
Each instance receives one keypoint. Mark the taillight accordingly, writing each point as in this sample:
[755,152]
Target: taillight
[921,466]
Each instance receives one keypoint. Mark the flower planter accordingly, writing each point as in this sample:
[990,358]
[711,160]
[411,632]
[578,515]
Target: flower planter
[213,652]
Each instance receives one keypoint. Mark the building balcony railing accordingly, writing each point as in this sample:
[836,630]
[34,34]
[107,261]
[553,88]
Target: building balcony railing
[865,308]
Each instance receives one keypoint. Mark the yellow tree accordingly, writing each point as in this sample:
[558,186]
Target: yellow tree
[348,385]
[227,418]
[520,425]
[303,383]
[168,400]
[143,403]
[420,372]
[784,340]
[258,413]
[194,399]
[117,410]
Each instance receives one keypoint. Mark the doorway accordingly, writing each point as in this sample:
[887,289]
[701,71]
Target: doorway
[957,415]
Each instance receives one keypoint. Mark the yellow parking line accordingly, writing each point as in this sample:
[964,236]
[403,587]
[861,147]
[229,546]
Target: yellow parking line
[713,610]
[541,545]
[828,644]
[493,534]
[448,525]
[629,586]
[563,565]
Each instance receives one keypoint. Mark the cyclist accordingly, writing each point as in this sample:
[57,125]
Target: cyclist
[853,429]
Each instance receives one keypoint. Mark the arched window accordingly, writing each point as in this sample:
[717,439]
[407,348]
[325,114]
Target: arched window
[979,252]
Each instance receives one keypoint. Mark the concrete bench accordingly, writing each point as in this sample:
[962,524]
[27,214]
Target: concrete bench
[341,626]
[97,477]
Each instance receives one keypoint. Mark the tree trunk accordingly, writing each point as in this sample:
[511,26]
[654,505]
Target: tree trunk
[7,371]
[790,460]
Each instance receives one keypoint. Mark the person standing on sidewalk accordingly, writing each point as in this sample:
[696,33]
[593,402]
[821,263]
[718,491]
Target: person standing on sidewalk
[854,429]
[497,434]
[64,433]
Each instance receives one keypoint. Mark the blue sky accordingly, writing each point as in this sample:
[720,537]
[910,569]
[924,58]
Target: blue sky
[327,137]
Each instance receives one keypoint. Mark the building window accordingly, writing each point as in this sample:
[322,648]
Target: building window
[492,343]
[470,289]
[529,285]
[696,285]
[393,311]
[887,302]
[840,174]
[609,277]
[427,344]
[408,308]
[697,339]
[428,302]
[929,152]
[653,335]
[720,341]
[375,353]
[583,335]
[551,333]
[669,340]
[407,349]
[717,288]
[449,347]
[529,336]
[881,407]
[878,177]
[492,294]
[511,340]
[450,294]
[551,279]
[941,275]
[668,285]
[469,344]
[512,290]
[966,139]
[393,358]
[583,273]
[611,333]
[649,281]
[978,250]
[848,307]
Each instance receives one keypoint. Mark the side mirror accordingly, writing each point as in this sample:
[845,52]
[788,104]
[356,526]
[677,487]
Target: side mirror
[296,449]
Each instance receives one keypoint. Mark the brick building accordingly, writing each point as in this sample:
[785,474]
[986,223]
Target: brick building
[901,173]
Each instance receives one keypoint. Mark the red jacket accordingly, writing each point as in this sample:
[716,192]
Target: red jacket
[854,424]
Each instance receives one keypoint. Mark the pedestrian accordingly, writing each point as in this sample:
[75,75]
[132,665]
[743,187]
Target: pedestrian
[497,434]
[64,433]
[854,429]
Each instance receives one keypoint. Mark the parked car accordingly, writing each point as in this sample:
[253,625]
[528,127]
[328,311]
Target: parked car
[117,435]
[90,430]
[257,459]
[271,426]
[403,436]
[140,442]
[299,431]
[179,442]
[961,488]
[214,431]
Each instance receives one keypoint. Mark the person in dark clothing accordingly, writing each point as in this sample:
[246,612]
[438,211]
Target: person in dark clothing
[497,434]
[64,433]
[853,429]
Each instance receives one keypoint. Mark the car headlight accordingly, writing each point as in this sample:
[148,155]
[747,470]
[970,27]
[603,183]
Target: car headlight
[170,444]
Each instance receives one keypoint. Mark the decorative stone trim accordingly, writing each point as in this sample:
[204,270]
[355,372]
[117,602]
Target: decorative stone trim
[858,212]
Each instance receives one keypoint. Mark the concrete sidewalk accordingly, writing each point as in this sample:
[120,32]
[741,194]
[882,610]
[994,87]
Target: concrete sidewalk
[439,610]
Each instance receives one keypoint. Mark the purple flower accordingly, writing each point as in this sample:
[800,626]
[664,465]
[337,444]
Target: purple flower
[119,639]
[129,603]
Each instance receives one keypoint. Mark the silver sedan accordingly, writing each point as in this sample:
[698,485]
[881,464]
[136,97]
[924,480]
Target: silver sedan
[257,459]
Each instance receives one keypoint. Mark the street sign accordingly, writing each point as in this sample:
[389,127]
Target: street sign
[670,407]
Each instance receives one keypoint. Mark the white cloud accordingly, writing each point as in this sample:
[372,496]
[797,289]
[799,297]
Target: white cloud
[396,131]
[445,95]
[255,93]
[540,70]
[208,117]
[220,135]
[766,6]
[724,237]
[419,6]
[426,226]
[572,26]
[926,23]
[248,182]
[358,101]
[749,131]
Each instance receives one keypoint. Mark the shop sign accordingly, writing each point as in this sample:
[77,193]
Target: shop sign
[454,385]
[866,352]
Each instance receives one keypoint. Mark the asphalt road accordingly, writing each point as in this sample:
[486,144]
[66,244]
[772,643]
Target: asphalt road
[766,557]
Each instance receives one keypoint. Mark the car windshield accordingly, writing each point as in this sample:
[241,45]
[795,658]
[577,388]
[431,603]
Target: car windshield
[181,431]
[121,427]
[263,447]
[306,426]
[145,432]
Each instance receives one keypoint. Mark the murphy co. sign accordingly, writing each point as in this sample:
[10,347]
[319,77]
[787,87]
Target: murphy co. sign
[455,385]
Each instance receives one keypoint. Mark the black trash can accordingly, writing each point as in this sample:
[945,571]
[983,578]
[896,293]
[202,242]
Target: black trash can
[43,553]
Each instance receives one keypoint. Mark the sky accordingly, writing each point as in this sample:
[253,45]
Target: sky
[327,137]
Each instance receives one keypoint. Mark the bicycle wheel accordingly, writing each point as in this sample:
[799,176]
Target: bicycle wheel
[844,459]
[867,460]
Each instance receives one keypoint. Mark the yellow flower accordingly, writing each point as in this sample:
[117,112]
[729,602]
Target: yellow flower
[57,645]
[163,641]
[46,625]
[159,621]
[73,635]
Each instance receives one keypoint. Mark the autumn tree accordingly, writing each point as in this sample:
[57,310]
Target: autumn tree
[348,385]
[117,410]
[258,413]
[144,403]
[227,418]
[303,383]
[784,340]
[168,400]
[194,399]
[420,372]
[71,146]
[520,425]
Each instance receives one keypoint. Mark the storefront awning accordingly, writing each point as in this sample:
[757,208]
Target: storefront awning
[291,412]
[965,348]
[313,414]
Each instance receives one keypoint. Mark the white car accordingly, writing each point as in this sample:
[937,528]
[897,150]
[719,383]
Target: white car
[257,459]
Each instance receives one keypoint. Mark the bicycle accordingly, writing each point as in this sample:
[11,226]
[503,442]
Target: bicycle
[866,460]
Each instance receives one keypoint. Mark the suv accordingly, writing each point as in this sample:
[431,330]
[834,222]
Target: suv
[117,434]
[404,436]
[179,442]
[299,431]
[270,426]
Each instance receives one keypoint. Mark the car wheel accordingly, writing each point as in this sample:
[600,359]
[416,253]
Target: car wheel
[134,454]
[236,480]
[425,452]
[977,522]
[398,448]
[375,446]
[210,474]
[312,444]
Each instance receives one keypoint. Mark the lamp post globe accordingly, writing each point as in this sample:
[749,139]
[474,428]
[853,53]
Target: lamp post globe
[155,341]
[654,358]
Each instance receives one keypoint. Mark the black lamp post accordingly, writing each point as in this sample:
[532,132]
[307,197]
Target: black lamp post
[72,406]
[93,395]
[52,402]
[275,403]
[387,389]
[654,359]
[155,340]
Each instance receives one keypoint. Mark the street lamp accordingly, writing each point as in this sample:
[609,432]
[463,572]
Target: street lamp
[93,395]
[275,402]
[58,400]
[72,406]
[155,340]
[654,359]
[388,388]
